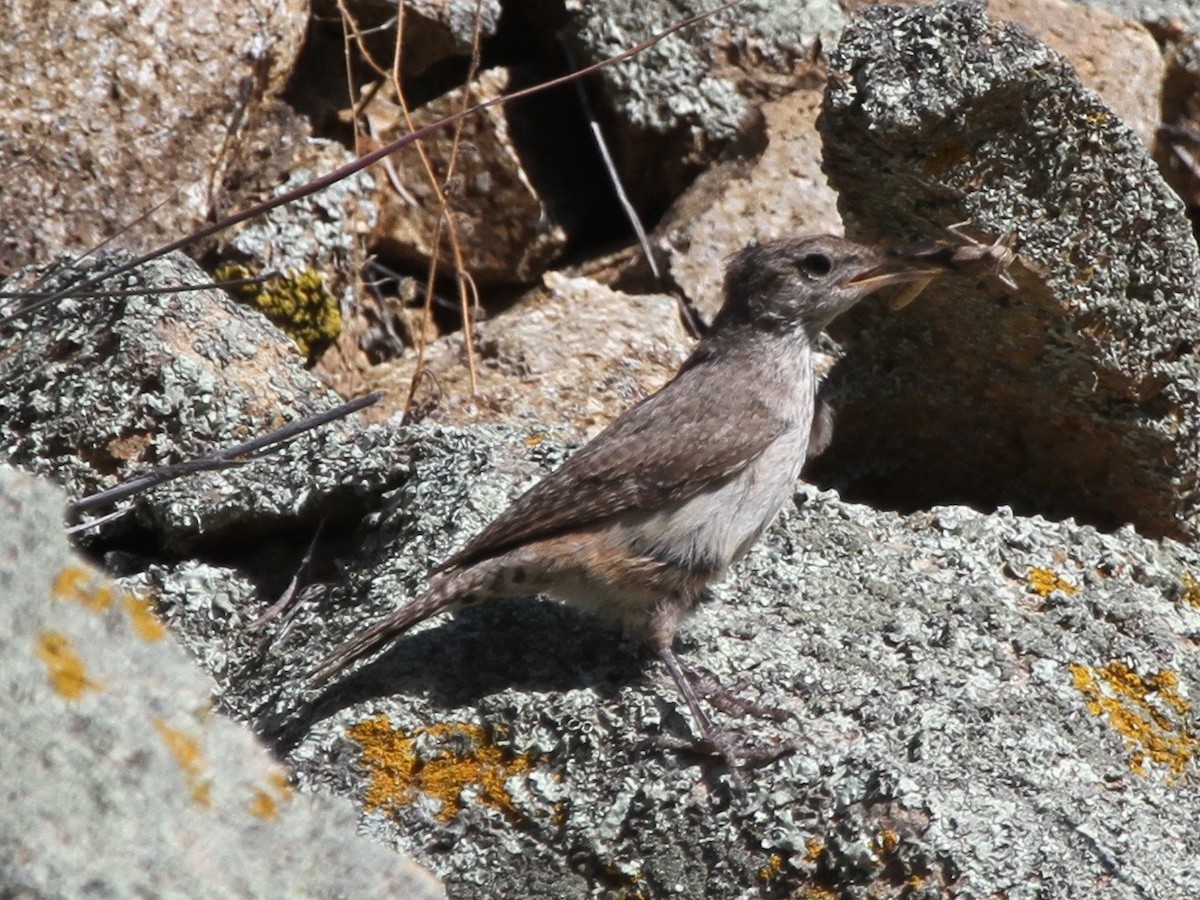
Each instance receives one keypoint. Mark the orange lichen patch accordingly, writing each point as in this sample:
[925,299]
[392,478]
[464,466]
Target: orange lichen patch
[282,785]
[146,623]
[1045,582]
[885,842]
[83,586]
[1191,590]
[66,668]
[186,751]
[468,758]
[772,869]
[813,850]
[534,439]
[263,806]
[1148,712]
[265,802]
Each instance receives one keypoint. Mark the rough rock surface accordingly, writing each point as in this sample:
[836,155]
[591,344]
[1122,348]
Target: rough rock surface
[506,231]
[674,106]
[97,389]
[116,777]
[770,186]
[1076,394]
[107,113]
[434,30]
[324,232]
[1115,57]
[980,703]
[571,354]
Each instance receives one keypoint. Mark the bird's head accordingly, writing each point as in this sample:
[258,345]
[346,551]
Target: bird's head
[805,283]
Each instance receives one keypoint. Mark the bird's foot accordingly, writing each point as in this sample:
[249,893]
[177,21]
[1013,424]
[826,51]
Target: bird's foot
[730,700]
[715,742]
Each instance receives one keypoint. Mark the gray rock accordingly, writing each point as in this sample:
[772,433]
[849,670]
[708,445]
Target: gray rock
[98,389]
[675,105]
[1075,395]
[323,231]
[109,117]
[980,704]
[116,777]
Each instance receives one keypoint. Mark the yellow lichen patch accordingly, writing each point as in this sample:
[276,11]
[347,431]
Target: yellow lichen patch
[146,624]
[466,757]
[813,850]
[186,751]
[83,586]
[534,439]
[263,806]
[282,785]
[885,842]
[1191,590]
[265,802]
[299,302]
[1149,713]
[772,869]
[67,675]
[1045,582]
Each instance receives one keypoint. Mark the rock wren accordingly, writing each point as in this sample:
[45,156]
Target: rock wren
[638,522]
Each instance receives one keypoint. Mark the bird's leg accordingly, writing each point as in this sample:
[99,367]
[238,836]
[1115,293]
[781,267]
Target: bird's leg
[728,700]
[714,741]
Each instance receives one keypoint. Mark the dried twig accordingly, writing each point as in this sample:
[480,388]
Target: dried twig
[221,459]
[369,159]
[613,176]
[289,597]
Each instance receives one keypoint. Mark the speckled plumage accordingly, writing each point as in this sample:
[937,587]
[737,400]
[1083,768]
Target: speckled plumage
[637,523]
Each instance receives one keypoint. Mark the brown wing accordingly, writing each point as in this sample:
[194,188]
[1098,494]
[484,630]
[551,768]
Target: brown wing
[671,445]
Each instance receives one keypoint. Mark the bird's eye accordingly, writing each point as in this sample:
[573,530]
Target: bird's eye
[815,265]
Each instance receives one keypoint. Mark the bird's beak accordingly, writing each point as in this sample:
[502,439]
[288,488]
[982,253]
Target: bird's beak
[895,265]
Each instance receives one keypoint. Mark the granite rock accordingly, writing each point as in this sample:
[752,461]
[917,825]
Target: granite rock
[1074,395]
[117,777]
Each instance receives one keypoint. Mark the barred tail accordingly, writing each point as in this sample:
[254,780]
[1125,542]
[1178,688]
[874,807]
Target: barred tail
[441,597]
[451,590]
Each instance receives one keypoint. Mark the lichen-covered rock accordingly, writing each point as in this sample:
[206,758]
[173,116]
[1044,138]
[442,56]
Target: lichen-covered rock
[1113,56]
[318,240]
[117,778]
[671,108]
[1078,393]
[98,388]
[978,703]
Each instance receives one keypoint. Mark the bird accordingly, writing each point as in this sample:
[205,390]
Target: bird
[638,523]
